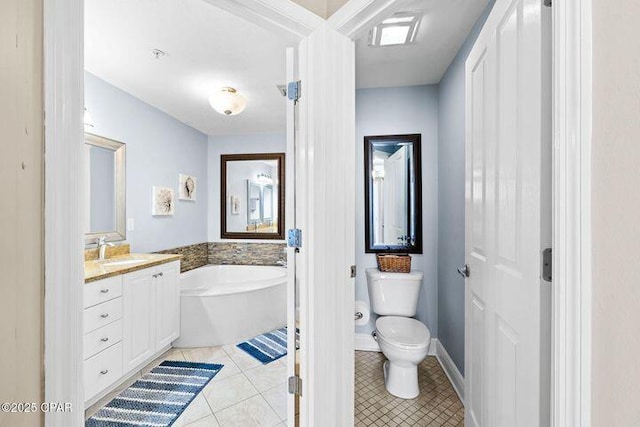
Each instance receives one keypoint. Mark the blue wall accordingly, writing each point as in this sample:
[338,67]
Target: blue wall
[451,126]
[159,148]
[402,110]
[235,144]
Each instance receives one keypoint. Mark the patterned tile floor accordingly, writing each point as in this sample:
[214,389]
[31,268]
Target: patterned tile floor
[245,393]
[437,405]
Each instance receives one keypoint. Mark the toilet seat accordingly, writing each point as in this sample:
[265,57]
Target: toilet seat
[403,332]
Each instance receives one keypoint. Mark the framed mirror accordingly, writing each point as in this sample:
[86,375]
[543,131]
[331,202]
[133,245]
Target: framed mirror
[104,185]
[252,196]
[393,194]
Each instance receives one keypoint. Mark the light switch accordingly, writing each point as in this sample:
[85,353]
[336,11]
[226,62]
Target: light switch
[131,224]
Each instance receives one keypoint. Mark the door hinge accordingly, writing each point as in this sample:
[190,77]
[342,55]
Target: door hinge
[295,385]
[547,265]
[293,90]
[547,3]
[294,238]
[354,271]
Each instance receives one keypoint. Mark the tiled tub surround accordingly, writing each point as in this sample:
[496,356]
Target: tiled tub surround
[241,253]
[193,256]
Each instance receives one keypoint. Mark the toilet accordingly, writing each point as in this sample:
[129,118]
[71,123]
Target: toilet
[403,340]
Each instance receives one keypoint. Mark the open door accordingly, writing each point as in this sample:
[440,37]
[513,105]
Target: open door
[293,366]
[508,218]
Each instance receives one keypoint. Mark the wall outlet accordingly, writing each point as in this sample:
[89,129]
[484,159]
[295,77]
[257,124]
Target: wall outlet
[131,224]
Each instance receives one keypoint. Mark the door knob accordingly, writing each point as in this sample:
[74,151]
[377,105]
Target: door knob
[464,271]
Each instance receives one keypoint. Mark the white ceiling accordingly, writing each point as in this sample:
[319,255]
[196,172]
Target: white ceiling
[206,48]
[443,29]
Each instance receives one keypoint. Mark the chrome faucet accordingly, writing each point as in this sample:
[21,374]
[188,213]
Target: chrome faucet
[102,247]
[281,263]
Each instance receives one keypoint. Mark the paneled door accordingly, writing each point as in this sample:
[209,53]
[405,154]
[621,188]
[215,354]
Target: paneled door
[508,218]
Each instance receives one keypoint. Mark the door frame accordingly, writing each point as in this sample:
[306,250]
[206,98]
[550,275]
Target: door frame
[63,93]
[571,289]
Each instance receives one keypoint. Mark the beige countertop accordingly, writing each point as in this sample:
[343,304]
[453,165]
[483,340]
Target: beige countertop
[125,263]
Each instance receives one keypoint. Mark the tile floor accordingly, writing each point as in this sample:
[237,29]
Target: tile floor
[437,405]
[244,393]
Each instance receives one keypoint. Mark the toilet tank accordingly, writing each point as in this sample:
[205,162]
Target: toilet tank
[394,294]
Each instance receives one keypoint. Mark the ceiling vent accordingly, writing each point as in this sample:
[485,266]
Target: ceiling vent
[400,29]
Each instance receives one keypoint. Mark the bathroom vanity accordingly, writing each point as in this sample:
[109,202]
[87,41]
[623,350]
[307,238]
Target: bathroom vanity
[131,316]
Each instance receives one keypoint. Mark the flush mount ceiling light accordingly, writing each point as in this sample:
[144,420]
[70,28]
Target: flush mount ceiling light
[228,102]
[400,29]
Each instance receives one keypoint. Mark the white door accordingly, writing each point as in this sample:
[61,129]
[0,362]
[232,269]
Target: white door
[167,304]
[508,196]
[396,187]
[139,317]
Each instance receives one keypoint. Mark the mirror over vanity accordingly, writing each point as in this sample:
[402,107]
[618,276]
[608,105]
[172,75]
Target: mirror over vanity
[393,194]
[252,196]
[105,189]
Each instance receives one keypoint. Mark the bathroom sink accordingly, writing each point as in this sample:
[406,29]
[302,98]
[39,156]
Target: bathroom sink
[121,262]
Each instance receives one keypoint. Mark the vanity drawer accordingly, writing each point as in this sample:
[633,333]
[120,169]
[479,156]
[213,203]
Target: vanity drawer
[102,370]
[102,290]
[102,314]
[102,338]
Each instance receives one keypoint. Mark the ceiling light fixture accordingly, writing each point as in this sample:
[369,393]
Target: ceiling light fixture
[400,29]
[228,101]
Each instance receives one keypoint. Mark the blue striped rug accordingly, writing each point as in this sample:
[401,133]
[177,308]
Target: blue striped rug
[158,398]
[268,347]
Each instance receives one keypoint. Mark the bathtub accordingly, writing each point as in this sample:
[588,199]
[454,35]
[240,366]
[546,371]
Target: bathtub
[227,304]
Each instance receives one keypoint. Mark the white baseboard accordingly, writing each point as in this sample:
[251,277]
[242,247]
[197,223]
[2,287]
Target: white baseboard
[450,369]
[365,342]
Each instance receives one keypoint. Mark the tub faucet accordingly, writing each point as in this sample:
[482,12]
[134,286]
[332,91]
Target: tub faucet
[281,263]
[102,247]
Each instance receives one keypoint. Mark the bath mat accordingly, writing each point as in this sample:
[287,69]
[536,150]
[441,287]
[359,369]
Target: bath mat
[268,347]
[158,398]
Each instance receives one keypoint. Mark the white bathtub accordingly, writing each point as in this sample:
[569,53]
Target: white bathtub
[226,304]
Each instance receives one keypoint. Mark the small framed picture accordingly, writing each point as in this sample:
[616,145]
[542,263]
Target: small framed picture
[163,201]
[188,187]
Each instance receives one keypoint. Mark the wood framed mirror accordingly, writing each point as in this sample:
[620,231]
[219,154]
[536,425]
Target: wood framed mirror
[252,196]
[393,194]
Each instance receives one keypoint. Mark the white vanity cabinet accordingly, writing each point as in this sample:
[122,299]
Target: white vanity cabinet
[128,321]
[151,312]
[168,304]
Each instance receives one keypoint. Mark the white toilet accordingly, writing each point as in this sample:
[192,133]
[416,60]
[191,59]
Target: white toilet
[403,340]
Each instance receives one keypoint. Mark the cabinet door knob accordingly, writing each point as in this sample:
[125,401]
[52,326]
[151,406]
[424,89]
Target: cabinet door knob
[105,339]
[104,291]
[104,315]
[104,372]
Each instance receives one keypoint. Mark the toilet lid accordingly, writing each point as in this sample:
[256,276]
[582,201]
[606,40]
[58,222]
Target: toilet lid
[403,331]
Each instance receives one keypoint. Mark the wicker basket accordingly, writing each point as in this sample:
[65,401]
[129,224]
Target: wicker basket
[394,263]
